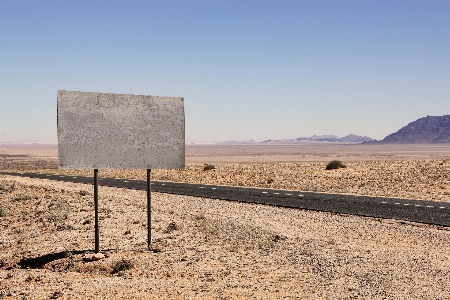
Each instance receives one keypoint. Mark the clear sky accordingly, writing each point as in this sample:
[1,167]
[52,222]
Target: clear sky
[247,69]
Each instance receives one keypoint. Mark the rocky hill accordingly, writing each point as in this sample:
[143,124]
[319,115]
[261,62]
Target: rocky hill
[430,129]
[351,138]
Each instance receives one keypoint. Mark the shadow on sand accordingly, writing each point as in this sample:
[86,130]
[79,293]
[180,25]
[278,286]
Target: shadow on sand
[40,261]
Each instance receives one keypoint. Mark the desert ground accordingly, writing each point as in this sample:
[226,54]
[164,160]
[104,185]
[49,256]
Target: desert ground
[211,249]
[420,172]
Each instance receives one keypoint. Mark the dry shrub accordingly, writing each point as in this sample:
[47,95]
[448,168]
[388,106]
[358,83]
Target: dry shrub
[208,167]
[56,295]
[335,164]
[171,227]
[199,217]
[7,186]
[122,265]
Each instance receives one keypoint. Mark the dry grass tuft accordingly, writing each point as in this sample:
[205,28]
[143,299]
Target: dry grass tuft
[171,227]
[83,193]
[7,186]
[199,217]
[122,265]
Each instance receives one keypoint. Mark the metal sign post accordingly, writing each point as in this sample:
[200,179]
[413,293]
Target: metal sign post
[97,235]
[149,210]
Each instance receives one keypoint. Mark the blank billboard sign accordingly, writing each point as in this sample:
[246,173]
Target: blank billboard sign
[120,131]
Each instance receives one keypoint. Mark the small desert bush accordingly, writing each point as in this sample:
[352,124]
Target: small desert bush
[199,217]
[122,265]
[2,212]
[335,164]
[6,187]
[171,227]
[208,167]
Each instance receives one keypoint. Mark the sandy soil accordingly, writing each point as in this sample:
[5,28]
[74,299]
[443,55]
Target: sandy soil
[33,150]
[225,154]
[210,249]
[28,157]
[206,249]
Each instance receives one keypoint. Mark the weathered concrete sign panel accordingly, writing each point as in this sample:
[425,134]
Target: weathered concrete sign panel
[120,131]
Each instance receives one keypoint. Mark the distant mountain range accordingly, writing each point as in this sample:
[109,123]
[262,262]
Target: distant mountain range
[427,130]
[351,138]
[430,129]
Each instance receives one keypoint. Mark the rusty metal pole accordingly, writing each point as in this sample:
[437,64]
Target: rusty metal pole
[97,238]
[149,210]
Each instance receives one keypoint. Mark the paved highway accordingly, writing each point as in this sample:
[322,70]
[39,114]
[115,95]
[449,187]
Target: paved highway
[428,212]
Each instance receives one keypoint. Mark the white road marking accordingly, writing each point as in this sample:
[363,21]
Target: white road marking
[301,195]
[201,187]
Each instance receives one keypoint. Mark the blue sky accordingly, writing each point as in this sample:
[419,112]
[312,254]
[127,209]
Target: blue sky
[247,69]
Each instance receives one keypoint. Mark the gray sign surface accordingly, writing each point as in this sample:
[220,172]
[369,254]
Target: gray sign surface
[120,131]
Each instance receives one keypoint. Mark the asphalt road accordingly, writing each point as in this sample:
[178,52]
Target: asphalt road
[428,212]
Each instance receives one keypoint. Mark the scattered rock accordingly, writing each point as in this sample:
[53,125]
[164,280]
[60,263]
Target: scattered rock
[98,256]
[94,257]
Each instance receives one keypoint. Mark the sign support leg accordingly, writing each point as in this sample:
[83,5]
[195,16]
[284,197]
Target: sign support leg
[97,238]
[149,211]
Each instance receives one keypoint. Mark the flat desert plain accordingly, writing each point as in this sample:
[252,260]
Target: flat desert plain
[210,249]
